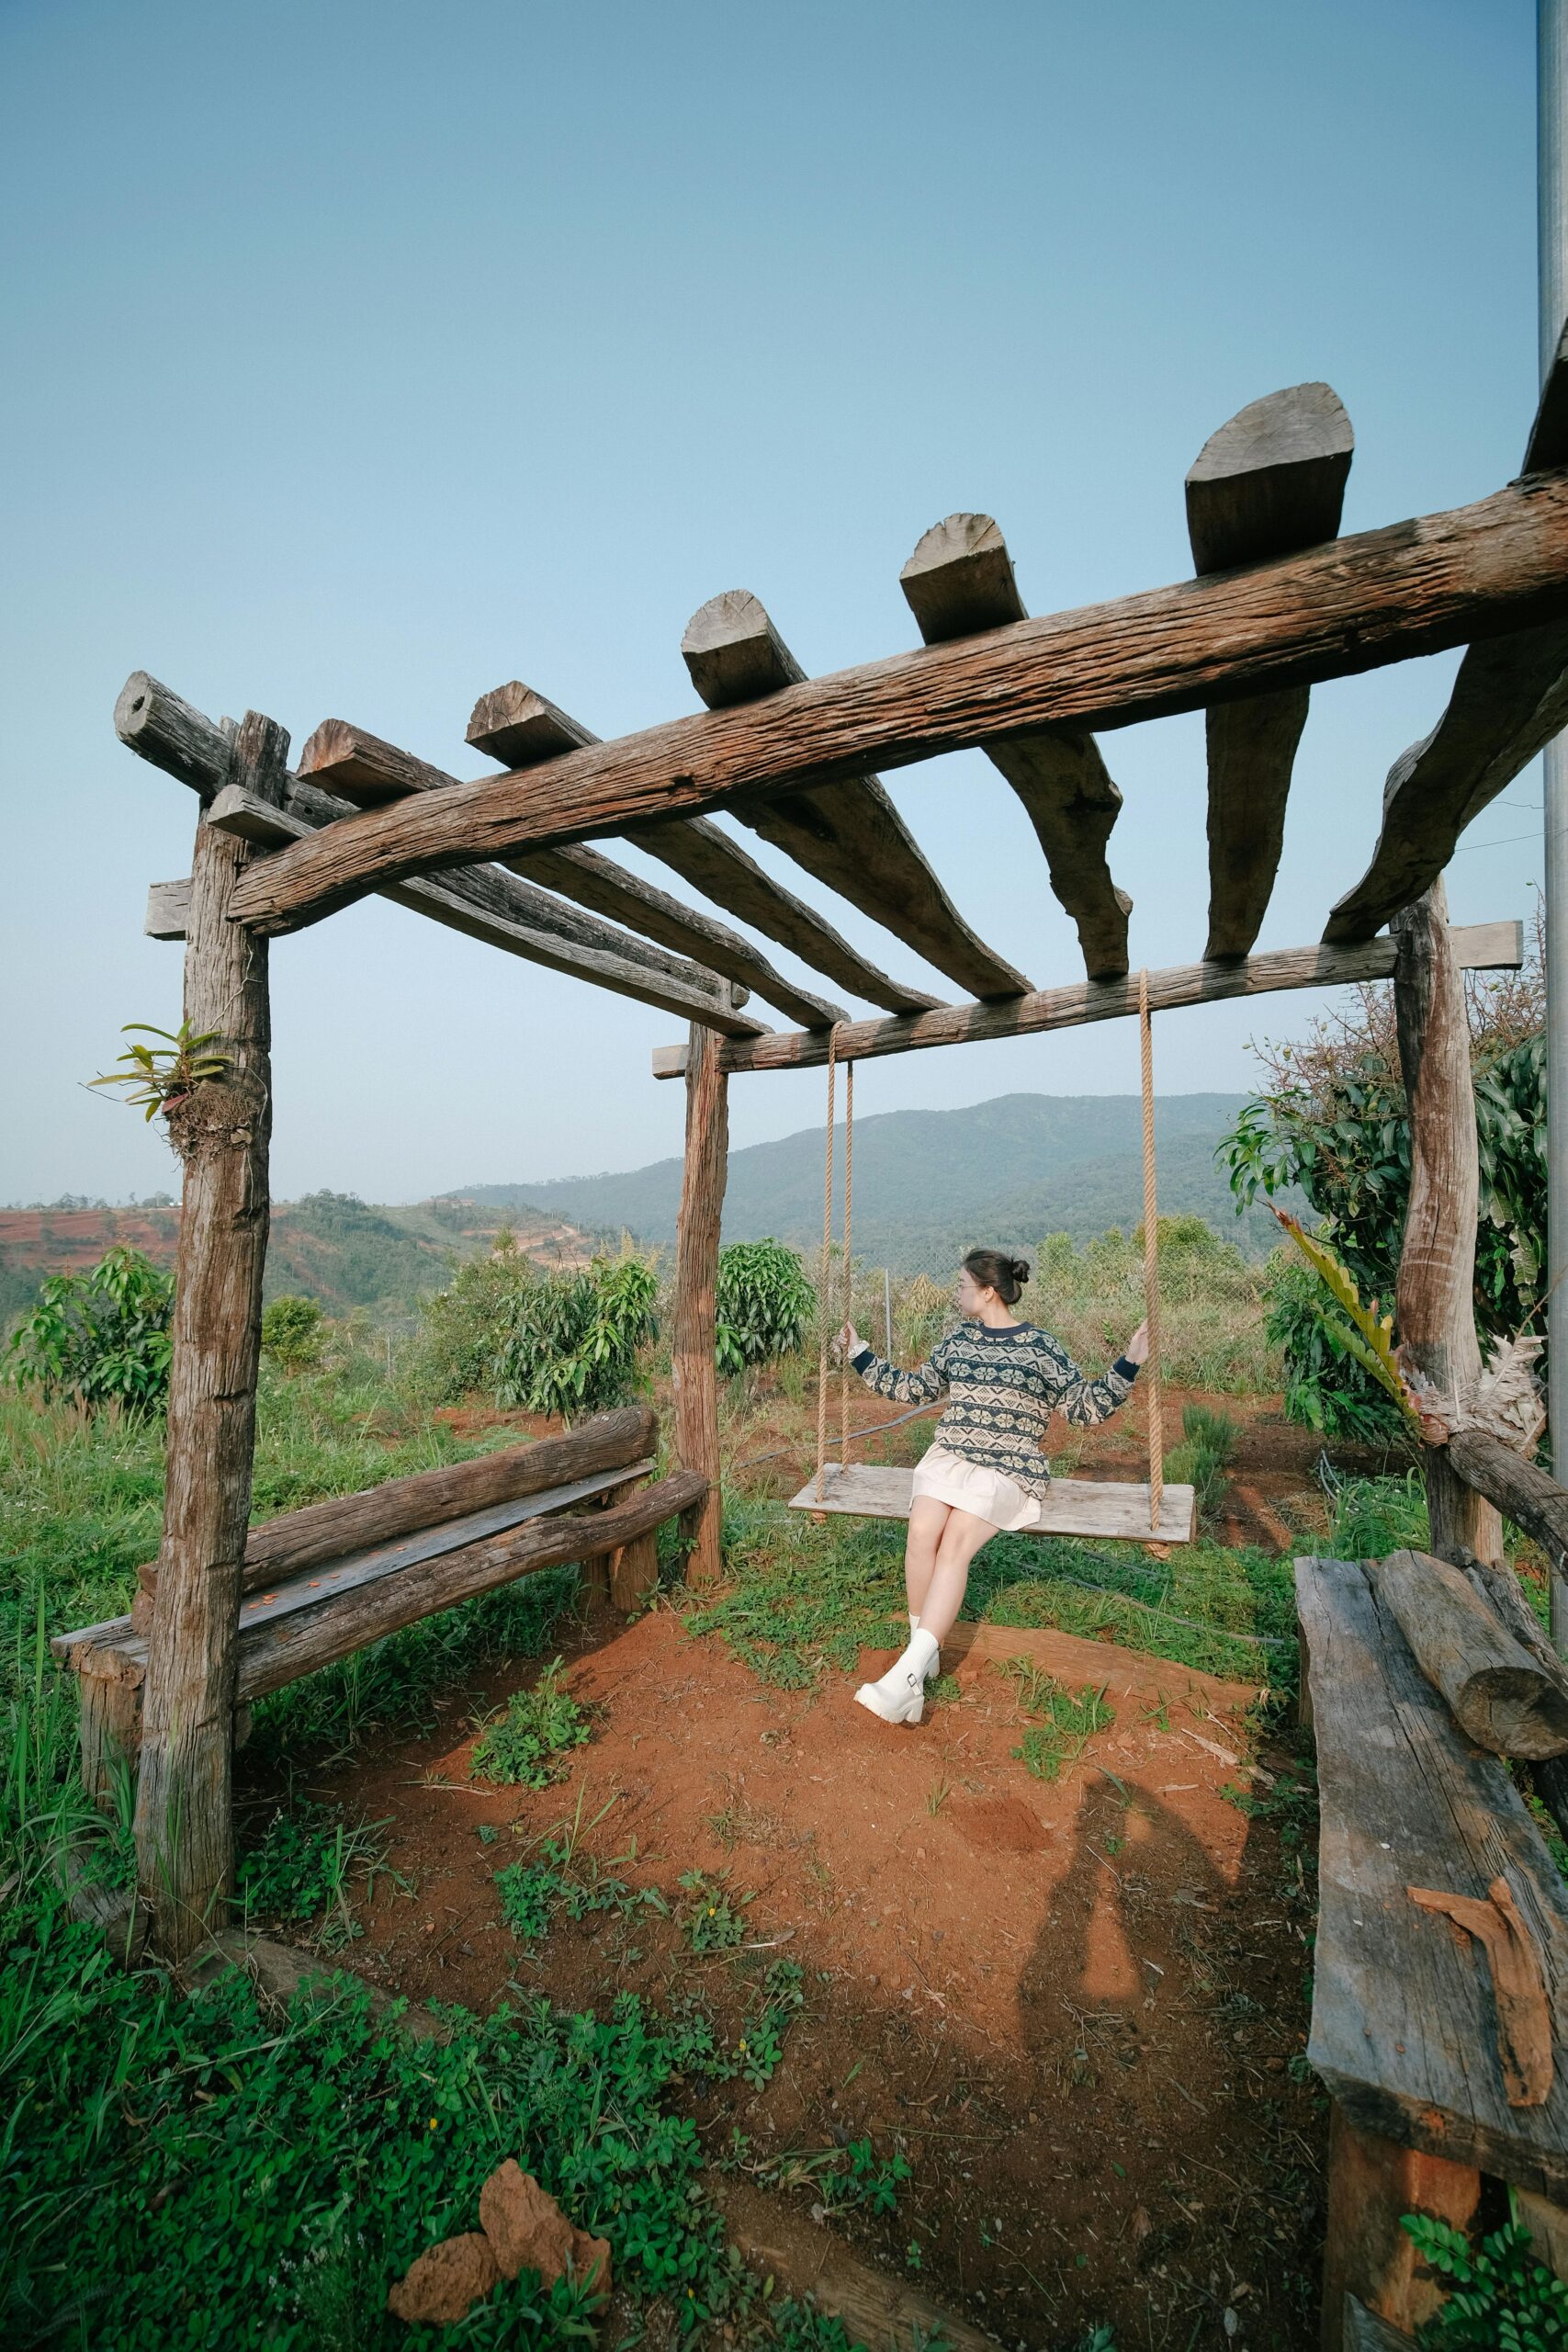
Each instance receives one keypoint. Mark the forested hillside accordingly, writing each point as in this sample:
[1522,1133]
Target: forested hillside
[928,1183]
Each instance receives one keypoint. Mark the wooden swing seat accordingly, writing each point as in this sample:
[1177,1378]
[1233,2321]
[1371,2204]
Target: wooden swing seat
[1097,1509]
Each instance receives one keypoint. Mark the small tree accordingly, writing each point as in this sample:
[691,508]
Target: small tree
[100,1338]
[765,1306]
[293,1332]
[575,1336]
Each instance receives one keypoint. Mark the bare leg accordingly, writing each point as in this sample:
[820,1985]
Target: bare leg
[928,1519]
[961,1537]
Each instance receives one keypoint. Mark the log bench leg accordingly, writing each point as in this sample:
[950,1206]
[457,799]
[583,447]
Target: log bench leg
[1371,2182]
[111,1732]
[634,1572]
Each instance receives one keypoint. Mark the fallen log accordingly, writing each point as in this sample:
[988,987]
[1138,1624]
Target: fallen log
[1498,1691]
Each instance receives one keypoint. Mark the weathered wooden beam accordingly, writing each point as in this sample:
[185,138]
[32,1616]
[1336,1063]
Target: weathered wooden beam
[1527,1494]
[513,915]
[327,1531]
[959,580]
[1509,698]
[185,1829]
[482,903]
[1435,1287]
[532,729]
[168,910]
[692,1361]
[1269,482]
[1500,1693]
[1484,947]
[1355,605]
[849,834]
[704,855]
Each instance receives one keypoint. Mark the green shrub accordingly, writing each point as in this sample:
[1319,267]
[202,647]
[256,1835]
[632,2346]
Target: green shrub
[293,1332]
[464,1328]
[100,1338]
[1326,1386]
[1500,2298]
[527,1742]
[765,1305]
[574,1337]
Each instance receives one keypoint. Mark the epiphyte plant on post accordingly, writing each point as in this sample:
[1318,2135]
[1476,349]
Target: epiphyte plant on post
[162,1076]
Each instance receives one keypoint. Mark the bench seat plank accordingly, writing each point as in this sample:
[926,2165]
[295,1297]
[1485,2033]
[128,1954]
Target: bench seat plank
[1403,2030]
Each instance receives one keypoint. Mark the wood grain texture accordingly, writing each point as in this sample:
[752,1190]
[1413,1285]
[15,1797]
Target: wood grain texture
[1102,1508]
[1365,2331]
[1435,1289]
[1403,2027]
[1508,700]
[299,1540]
[1270,481]
[168,910]
[694,1373]
[1519,1984]
[1497,1690]
[959,580]
[849,835]
[1477,948]
[1368,2256]
[152,722]
[704,855]
[515,724]
[1523,1492]
[184,1851]
[1335,611]
[526,922]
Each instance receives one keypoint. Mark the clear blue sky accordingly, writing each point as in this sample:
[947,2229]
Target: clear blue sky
[364,356]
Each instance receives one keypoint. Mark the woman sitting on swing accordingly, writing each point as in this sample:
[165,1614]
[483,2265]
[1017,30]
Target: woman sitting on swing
[985,1470]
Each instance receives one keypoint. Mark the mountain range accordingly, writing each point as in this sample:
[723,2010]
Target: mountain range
[929,1185]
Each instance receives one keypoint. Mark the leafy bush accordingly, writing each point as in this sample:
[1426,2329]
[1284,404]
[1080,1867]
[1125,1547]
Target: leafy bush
[293,1331]
[765,1305]
[574,1336]
[464,1328]
[100,1338]
[527,1742]
[1501,2299]
[1327,1386]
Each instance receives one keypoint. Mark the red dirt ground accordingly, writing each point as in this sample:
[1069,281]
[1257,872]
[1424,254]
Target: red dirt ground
[1072,2006]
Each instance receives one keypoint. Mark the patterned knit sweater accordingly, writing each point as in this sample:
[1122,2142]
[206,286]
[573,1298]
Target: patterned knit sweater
[1003,1387]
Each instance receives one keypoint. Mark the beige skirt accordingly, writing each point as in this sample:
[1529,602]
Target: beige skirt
[967,1486]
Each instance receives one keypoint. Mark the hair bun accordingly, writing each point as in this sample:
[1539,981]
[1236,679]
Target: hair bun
[1019,1268]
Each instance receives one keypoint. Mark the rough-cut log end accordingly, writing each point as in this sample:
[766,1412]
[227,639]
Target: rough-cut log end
[518,727]
[1271,481]
[360,766]
[168,910]
[959,579]
[158,727]
[734,652]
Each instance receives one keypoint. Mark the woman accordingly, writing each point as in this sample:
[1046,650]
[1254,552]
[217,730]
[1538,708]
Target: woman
[986,1470]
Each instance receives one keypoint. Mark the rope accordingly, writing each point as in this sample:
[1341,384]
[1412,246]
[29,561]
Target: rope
[822,1295]
[1151,1260]
[849,1262]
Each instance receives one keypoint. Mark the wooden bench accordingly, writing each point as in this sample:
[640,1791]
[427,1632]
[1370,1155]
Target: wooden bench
[1404,2028]
[320,1583]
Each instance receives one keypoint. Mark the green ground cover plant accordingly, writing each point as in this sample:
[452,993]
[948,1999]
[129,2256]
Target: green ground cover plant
[526,1743]
[298,1868]
[1499,2299]
[1063,1724]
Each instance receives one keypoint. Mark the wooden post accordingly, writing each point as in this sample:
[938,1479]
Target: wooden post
[1371,2182]
[693,1364]
[184,1809]
[1435,1310]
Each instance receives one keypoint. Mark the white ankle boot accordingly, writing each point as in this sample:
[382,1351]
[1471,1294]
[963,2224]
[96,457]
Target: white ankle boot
[900,1696]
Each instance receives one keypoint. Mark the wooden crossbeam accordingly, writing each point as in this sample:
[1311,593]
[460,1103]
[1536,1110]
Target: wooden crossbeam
[486,904]
[515,724]
[959,580]
[1509,698]
[1355,605]
[535,729]
[526,922]
[1481,948]
[704,855]
[1269,482]
[848,834]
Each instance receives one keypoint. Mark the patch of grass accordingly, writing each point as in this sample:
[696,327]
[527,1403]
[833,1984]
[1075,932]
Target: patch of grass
[300,1865]
[527,1742]
[1209,1439]
[1063,1725]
